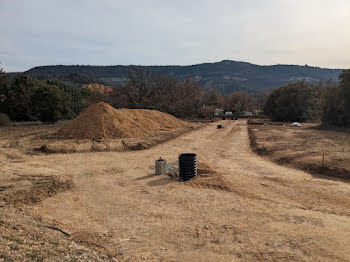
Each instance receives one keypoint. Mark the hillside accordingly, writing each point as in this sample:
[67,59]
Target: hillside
[225,76]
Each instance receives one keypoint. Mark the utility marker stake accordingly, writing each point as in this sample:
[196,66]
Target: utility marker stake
[323,154]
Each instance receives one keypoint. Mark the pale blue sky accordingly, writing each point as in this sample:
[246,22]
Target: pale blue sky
[158,32]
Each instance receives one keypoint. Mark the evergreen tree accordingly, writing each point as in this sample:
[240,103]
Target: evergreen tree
[18,98]
[299,101]
[336,105]
[50,103]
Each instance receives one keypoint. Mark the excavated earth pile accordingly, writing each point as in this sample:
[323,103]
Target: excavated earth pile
[98,88]
[104,121]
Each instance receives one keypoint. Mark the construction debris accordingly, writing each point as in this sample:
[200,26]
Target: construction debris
[296,124]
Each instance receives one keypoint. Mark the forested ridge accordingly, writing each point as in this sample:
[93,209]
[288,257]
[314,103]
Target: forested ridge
[224,77]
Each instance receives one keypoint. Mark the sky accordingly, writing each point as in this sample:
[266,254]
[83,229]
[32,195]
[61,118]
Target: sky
[173,32]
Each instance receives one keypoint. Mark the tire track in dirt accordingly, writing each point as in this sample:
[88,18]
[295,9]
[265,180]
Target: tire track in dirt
[268,210]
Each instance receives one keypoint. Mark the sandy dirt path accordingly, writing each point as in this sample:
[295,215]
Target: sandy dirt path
[243,208]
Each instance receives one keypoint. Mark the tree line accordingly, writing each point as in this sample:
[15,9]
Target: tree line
[181,98]
[302,101]
[27,99]
[184,99]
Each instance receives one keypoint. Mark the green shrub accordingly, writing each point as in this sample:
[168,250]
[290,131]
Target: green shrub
[18,98]
[299,101]
[50,104]
[27,99]
[336,104]
[4,119]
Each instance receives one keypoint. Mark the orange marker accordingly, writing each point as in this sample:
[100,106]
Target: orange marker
[323,154]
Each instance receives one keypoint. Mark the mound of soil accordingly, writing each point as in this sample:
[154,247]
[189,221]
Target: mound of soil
[103,121]
[98,88]
[30,189]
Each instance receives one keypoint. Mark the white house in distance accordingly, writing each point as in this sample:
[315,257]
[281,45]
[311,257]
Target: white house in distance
[247,114]
[218,112]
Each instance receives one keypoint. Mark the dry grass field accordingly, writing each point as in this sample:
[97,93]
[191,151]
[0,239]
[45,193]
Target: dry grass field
[109,206]
[26,237]
[36,138]
[312,148]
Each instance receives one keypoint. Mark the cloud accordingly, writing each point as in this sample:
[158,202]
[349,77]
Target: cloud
[40,32]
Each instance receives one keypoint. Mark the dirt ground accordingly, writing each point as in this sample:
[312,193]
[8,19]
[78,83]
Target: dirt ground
[23,238]
[304,147]
[38,138]
[241,207]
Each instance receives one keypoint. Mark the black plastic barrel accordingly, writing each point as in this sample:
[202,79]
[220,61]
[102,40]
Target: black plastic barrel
[187,166]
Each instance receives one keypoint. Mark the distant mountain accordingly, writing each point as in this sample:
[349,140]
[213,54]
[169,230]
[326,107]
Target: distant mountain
[225,76]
